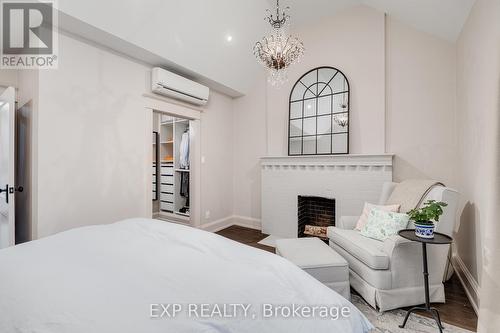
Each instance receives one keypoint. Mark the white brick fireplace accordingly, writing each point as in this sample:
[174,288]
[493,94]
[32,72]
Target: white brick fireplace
[349,179]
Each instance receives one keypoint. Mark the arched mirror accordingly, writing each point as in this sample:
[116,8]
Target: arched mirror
[319,113]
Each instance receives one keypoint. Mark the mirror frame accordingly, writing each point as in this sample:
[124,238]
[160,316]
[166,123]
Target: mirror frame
[347,91]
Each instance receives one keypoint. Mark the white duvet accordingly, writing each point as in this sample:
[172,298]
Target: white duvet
[128,277]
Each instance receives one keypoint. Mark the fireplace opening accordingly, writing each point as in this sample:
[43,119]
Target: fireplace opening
[315,214]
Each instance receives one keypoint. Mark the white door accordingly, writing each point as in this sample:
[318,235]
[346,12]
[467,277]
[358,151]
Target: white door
[7,167]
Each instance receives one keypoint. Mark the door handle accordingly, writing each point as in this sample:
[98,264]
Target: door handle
[14,189]
[6,190]
[10,190]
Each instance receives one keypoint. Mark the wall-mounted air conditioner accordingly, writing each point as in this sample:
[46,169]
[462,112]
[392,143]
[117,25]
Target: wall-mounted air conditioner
[169,84]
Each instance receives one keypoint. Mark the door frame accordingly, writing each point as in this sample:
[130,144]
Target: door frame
[170,107]
[11,177]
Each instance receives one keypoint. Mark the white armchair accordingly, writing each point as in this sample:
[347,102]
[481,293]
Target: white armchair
[388,274]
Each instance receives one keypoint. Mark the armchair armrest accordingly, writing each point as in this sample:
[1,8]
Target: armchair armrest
[395,241]
[348,222]
[406,261]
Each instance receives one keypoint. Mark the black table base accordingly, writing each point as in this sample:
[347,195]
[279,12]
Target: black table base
[433,311]
[440,239]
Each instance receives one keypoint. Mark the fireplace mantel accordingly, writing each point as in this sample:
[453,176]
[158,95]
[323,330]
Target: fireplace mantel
[350,179]
[334,161]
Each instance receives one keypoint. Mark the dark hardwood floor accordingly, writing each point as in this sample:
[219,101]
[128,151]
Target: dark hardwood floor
[246,236]
[456,311]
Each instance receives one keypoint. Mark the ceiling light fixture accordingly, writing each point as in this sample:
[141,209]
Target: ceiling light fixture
[278,50]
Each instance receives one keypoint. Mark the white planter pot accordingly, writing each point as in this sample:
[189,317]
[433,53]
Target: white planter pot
[424,230]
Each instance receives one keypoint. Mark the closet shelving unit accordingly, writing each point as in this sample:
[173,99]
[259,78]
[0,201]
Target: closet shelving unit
[169,202]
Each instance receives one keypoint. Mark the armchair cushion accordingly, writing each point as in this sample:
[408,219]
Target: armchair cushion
[367,250]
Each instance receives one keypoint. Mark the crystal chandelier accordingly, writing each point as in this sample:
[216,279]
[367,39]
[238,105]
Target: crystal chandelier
[278,50]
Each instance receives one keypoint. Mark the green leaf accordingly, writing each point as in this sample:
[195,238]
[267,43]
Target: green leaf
[430,211]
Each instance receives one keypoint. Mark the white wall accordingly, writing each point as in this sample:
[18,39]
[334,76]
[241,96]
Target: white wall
[417,124]
[353,42]
[217,152]
[8,77]
[92,141]
[420,115]
[478,101]
[250,144]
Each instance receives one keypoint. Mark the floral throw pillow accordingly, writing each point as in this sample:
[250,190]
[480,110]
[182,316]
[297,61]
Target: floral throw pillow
[382,224]
[367,209]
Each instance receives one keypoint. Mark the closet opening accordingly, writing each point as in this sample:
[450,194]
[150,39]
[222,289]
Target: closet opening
[171,164]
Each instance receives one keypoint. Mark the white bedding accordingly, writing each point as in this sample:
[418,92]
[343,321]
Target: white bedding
[105,278]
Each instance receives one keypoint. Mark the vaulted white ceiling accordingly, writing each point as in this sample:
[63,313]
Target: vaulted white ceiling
[443,18]
[192,36]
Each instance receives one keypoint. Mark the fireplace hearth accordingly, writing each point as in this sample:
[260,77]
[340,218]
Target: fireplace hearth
[316,213]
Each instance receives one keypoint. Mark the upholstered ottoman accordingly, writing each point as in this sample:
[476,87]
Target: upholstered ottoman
[318,259]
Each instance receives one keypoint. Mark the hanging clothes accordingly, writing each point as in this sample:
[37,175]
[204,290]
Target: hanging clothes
[184,190]
[184,151]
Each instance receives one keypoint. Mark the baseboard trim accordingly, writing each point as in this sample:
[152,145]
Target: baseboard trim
[471,287]
[217,225]
[242,221]
[248,222]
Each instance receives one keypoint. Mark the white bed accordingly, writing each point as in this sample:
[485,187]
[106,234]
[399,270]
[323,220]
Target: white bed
[106,278]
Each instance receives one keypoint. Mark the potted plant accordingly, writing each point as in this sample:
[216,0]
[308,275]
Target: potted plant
[425,217]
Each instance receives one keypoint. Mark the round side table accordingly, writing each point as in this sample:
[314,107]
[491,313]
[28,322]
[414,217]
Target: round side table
[438,239]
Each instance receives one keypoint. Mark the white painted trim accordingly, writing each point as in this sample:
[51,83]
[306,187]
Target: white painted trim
[248,222]
[217,225]
[148,186]
[385,157]
[341,161]
[471,287]
[193,114]
[171,107]
[195,174]
[242,221]
[170,100]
